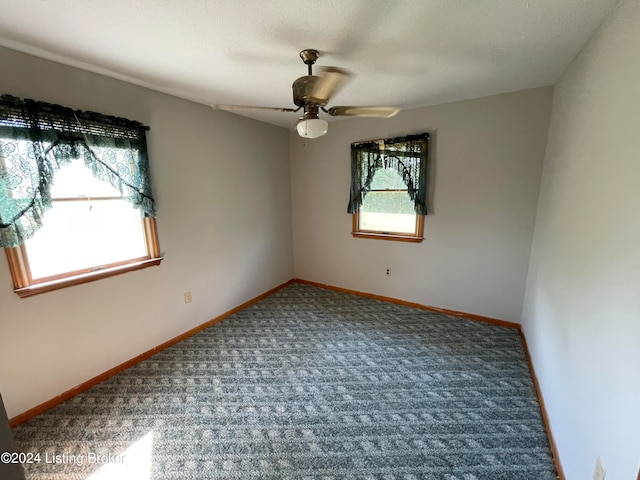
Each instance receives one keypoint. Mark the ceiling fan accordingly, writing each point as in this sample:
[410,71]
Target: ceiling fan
[311,93]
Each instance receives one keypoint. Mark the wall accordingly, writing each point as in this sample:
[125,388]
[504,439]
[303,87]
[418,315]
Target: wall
[582,309]
[486,156]
[224,219]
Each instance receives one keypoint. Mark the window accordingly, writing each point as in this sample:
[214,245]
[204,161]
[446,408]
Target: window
[387,208]
[389,188]
[75,197]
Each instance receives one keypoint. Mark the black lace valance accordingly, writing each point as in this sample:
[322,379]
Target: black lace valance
[408,155]
[38,138]
[26,113]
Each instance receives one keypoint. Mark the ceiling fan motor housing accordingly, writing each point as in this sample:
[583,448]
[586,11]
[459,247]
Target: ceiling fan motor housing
[302,89]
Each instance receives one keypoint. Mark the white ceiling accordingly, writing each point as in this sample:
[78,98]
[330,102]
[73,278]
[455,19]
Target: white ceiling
[409,53]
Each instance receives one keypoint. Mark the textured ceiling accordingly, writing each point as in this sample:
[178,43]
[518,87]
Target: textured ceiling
[409,53]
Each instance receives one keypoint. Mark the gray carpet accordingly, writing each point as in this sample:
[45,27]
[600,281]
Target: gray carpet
[308,384]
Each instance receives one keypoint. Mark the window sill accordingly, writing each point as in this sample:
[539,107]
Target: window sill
[44,287]
[387,236]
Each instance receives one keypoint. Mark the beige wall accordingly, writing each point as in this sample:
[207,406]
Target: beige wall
[224,218]
[582,308]
[486,158]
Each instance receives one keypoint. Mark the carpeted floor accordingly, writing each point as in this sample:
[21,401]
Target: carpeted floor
[308,384]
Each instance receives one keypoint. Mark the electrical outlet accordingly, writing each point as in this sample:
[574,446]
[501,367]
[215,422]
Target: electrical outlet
[599,472]
[388,272]
[187,297]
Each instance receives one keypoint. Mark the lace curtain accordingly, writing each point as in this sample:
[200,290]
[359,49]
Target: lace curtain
[408,155]
[38,138]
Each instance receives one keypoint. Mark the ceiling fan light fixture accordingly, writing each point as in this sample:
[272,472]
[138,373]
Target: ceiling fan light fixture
[312,127]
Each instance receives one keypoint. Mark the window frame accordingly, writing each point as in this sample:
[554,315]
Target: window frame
[25,286]
[57,135]
[384,149]
[416,237]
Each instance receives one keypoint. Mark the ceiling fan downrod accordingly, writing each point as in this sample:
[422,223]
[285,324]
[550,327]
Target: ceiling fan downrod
[309,56]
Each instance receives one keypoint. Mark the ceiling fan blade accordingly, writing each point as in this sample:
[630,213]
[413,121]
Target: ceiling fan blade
[332,79]
[248,107]
[375,112]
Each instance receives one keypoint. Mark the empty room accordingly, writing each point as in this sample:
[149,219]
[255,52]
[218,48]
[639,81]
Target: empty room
[388,239]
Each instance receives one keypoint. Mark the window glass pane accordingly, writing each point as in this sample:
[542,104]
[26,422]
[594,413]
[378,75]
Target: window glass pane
[84,234]
[388,212]
[387,178]
[76,180]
